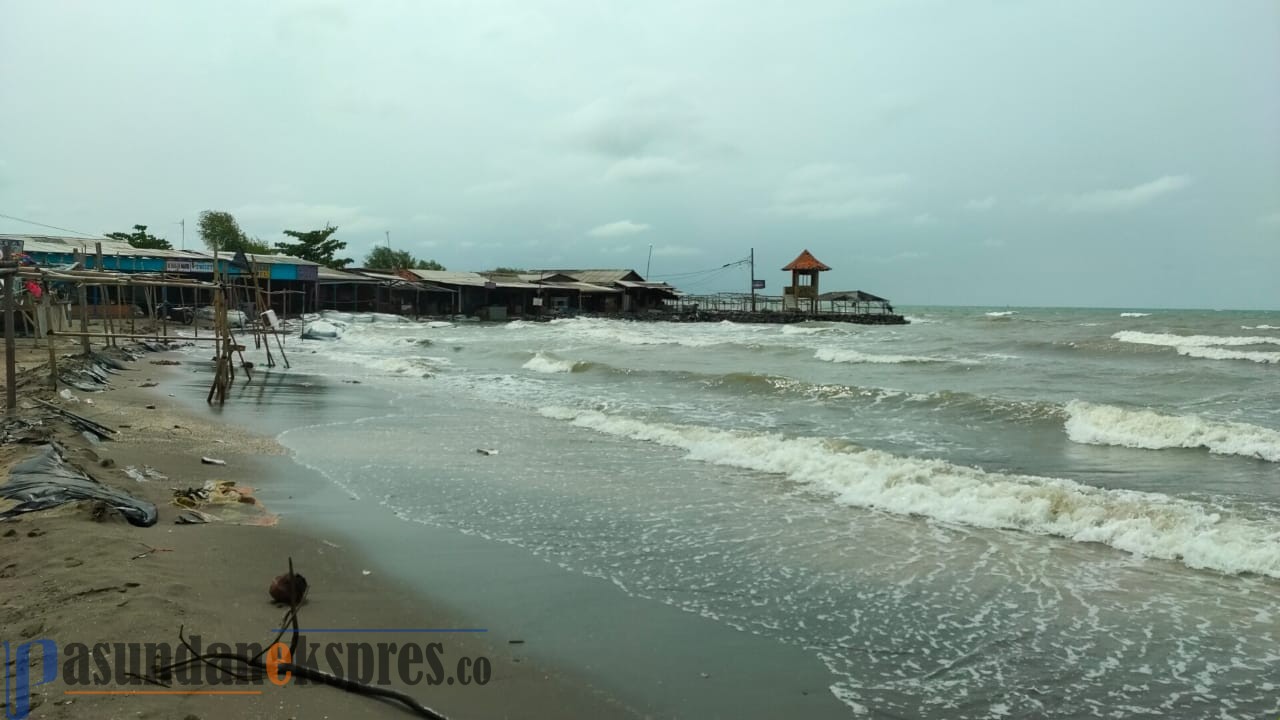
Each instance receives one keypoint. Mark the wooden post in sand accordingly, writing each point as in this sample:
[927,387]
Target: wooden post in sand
[10,359]
[84,307]
[49,337]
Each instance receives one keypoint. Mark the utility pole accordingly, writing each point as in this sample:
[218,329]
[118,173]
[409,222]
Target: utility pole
[648,262]
[183,223]
[753,279]
[388,233]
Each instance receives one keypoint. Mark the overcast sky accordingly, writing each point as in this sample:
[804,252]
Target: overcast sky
[994,152]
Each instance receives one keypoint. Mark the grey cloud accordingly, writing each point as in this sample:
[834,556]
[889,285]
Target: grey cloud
[1119,200]
[617,229]
[826,191]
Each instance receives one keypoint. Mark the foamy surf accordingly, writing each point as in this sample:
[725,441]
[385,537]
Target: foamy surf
[1093,424]
[1146,524]
[1209,347]
[544,363]
[1134,314]
[853,356]
[1002,313]
[1144,338]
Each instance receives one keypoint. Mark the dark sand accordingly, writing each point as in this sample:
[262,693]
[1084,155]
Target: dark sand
[71,578]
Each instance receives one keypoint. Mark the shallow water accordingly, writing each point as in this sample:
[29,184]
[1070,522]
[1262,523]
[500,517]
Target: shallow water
[986,513]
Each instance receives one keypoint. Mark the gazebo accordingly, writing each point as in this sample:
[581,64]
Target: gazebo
[802,295]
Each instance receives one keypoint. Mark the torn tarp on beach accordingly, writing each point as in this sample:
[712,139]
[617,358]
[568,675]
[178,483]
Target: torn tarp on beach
[44,481]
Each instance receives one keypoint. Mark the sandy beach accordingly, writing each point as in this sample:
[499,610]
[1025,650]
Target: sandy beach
[79,574]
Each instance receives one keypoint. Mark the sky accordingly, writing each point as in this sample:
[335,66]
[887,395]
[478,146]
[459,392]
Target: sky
[1117,153]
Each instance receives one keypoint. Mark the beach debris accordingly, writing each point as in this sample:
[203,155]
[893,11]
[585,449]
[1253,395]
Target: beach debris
[489,451]
[254,668]
[45,481]
[79,421]
[107,463]
[166,362]
[515,642]
[235,504]
[211,461]
[150,550]
[193,517]
[366,572]
[135,474]
[289,589]
[67,395]
[149,383]
[151,407]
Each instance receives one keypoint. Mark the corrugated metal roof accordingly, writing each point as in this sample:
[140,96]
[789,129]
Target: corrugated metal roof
[330,276]
[67,245]
[581,287]
[258,259]
[605,276]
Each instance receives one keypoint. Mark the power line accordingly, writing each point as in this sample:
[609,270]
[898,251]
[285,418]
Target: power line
[736,263]
[51,227]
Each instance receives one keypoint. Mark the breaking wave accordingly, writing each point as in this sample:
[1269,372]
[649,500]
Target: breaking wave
[1146,524]
[1209,347]
[1215,353]
[853,356]
[1143,338]
[1092,424]
[1260,327]
[1002,314]
[1134,314]
[544,363]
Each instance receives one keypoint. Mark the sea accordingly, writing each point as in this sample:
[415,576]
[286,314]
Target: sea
[985,513]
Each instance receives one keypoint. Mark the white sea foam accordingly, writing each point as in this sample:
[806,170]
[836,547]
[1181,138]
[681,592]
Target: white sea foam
[1215,353]
[1002,313]
[1134,314]
[1095,424]
[1147,524]
[1260,327]
[1209,347]
[1143,338]
[804,329]
[914,320]
[853,356]
[547,364]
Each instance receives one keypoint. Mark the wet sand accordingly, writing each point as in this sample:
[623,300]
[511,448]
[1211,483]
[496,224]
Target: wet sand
[71,577]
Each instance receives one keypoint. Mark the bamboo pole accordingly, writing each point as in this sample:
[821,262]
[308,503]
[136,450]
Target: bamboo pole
[49,335]
[83,296]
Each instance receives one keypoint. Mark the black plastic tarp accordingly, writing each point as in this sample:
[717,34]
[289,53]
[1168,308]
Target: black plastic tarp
[45,481]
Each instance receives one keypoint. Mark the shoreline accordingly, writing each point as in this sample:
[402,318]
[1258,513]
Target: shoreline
[73,579]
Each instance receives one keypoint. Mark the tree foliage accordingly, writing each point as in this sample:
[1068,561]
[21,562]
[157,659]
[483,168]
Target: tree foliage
[140,238]
[221,232]
[384,258]
[318,246]
[507,271]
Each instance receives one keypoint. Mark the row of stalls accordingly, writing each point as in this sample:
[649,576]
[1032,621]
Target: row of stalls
[288,283]
[292,286]
[492,296]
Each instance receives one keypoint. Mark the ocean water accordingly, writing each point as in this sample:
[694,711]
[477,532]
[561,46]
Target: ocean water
[986,513]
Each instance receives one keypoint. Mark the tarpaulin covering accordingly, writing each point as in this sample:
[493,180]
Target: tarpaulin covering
[45,481]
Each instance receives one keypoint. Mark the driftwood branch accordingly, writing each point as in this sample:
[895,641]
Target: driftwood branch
[254,668]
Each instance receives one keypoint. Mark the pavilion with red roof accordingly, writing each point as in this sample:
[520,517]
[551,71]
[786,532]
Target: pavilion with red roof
[803,292]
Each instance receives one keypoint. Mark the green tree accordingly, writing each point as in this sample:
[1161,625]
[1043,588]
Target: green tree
[140,238]
[507,271]
[318,246]
[222,233]
[384,258]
